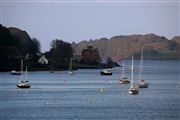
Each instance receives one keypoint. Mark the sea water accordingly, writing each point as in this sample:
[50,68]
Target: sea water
[89,96]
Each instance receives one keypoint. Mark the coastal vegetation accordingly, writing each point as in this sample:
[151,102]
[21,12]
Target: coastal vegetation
[16,44]
[59,55]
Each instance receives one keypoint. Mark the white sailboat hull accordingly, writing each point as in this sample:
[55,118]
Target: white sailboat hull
[143,85]
[133,92]
[13,72]
[133,89]
[23,84]
[71,73]
[124,81]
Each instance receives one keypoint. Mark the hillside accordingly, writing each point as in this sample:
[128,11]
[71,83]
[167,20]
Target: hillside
[120,47]
[23,37]
[14,45]
[176,39]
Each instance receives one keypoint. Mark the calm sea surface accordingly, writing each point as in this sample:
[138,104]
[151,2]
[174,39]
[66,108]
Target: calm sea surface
[89,96]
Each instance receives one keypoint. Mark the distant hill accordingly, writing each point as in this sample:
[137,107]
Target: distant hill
[121,47]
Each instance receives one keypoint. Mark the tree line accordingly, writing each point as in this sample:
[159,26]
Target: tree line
[59,54]
[16,45]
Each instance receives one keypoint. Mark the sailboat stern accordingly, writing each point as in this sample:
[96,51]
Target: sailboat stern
[134,89]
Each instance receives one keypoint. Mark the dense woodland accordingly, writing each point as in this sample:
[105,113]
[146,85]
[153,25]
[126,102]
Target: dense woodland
[13,48]
[59,55]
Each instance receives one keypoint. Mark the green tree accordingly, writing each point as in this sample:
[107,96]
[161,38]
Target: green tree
[9,52]
[33,52]
[60,53]
[35,46]
[14,45]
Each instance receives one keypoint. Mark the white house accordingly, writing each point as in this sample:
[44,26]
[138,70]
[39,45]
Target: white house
[43,60]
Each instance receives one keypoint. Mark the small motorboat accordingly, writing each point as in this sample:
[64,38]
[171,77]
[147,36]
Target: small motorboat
[106,72]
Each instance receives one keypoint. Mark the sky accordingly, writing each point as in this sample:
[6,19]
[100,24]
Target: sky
[77,20]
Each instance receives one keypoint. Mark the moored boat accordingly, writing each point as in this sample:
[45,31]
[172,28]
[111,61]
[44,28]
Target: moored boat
[123,79]
[24,83]
[133,89]
[14,72]
[106,72]
[70,72]
[142,83]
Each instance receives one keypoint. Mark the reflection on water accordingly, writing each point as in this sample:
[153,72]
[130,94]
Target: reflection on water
[89,96]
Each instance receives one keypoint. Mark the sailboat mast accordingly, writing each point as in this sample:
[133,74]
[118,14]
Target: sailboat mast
[21,67]
[132,70]
[70,65]
[123,70]
[26,72]
[142,60]
[140,68]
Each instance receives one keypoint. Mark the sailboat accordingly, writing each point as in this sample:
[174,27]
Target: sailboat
[24,83]
[123,79]
[14,72]
[133,89]
[142,82]
[70,68]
